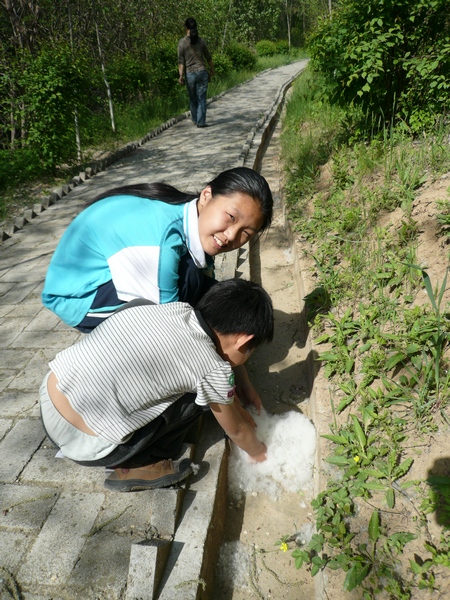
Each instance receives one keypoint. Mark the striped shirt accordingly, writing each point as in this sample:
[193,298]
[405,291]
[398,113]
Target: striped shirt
[138,362]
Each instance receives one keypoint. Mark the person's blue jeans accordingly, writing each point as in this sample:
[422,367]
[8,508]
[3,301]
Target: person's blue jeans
[197,87]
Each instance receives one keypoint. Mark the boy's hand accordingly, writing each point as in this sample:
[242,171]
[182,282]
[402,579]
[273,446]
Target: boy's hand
[261,457]
[239,430]
[251,396]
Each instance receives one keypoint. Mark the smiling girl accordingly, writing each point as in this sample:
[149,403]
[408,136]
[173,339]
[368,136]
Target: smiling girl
[151,241]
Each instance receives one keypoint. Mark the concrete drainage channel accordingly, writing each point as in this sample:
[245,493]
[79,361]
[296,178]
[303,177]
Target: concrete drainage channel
[179,563]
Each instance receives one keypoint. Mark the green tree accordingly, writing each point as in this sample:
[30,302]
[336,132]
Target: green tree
[53,87]
[255,20]
[390,56]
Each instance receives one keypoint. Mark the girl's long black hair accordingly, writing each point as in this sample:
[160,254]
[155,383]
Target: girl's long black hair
[238,180]
[191,25]
[152,191]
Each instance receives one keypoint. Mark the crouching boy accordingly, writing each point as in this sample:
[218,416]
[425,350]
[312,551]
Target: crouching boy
[125,396]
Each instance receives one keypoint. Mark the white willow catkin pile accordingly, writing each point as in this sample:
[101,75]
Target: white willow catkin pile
[291,442]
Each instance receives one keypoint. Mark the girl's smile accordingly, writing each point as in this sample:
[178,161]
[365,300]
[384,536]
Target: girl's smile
[227,222]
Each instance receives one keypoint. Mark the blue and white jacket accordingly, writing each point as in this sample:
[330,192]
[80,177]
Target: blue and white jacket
[134,241]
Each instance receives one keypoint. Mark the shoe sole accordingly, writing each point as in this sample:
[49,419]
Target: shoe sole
[136,485]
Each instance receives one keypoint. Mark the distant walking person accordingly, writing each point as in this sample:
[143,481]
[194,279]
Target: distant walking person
[192,53]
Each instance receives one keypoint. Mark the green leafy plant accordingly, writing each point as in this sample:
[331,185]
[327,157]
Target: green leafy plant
[52,89]
[386,359]
[241,57]
[393,59]
[222,64]
[266,48]
[282,46]
[438,499]
[443,216]
[423,570]
[366,563]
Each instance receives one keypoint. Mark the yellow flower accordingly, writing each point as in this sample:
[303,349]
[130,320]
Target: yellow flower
[284,547]
[356,459]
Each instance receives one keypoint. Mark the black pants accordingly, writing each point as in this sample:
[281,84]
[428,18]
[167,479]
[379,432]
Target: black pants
[161,438]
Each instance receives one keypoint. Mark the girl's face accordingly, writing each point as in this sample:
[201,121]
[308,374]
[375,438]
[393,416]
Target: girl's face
[227,222]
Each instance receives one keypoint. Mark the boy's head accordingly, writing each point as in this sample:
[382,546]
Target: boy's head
[240,311]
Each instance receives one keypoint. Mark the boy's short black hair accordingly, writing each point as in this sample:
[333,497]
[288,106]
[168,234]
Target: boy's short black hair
[238,306]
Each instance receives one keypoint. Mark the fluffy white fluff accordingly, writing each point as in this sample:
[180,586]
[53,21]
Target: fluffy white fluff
[291,442]
[233,567]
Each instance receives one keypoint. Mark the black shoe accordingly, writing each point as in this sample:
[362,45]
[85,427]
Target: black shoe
[205,125]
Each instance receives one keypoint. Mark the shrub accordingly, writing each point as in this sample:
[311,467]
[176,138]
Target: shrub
[17,166]
[392,58]
[241,57]
[282,47]
[53,86]
[128,77]
[222,64]
[266,48]
[163,68]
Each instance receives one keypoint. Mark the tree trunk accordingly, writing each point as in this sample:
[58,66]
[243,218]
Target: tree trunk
[304,20]
[12,129]
[230,8]
[23,16]
[75,111]
[288,23]
[105,79]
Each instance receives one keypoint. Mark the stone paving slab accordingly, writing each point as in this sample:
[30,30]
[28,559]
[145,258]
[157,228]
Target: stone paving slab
[25,508]
[191,562]
[147,562]
[17,447]
[63,536]
[57,548]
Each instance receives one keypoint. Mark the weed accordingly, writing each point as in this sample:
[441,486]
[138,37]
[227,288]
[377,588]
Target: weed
[438,499]
[407,232]
[424,570]
[317,302]
[443,216]
[386,360]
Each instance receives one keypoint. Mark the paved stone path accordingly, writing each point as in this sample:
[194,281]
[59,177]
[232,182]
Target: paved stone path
[62,536]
